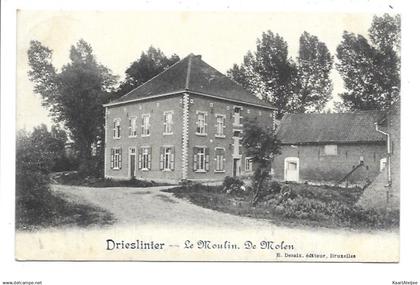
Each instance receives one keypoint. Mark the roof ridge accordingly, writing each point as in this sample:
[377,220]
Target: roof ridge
[236,83]
[164,71]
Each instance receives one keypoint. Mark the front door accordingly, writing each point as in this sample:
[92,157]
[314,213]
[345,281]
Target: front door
[291,169]
[236,167]
[132,162]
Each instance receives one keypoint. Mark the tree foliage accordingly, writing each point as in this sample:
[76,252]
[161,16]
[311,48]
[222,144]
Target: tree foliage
[74,96]
[270,73]
[371,69]
[150,63]
[261,144]
[313,83]
[36,155]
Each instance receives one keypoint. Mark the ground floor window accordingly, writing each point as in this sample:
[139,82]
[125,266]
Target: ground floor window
[248,164]
[201,159]
[145,158]
[167,158]
[116,158]
[220,160]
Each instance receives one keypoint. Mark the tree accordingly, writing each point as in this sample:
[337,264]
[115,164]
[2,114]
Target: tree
[261,144]
[74,96]
[371,70]
[151,63]
[36,155]
[269,73]
[313,83]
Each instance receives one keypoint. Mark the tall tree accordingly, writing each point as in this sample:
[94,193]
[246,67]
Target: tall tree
[269,73]
[313,85]
[74,96]
[371,70]
[150,63]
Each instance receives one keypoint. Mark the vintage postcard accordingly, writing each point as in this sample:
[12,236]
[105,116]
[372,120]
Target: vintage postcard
[208,136]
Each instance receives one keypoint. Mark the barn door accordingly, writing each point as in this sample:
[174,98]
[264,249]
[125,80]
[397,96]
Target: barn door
[291,169]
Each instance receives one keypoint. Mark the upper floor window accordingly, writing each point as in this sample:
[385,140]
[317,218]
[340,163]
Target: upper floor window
[168,122]
[201,123]
[117,129]
[132,127]
[145,158]
[237,118]
[220,125]
[167,158]
[116,158]
[145,125]
[330,149]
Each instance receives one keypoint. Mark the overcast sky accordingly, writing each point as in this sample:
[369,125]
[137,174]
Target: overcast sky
[118,38]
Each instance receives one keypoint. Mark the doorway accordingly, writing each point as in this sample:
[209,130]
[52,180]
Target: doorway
[132,162]
[236,167]
[291,169]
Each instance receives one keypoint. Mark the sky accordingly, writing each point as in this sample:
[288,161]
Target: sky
[118,38]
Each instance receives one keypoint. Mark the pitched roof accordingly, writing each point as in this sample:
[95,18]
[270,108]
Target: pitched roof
[330,128]
[192,74]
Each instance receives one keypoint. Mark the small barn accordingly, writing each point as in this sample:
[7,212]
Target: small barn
[330,148]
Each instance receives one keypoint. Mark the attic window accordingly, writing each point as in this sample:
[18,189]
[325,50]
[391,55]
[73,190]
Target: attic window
[330,149]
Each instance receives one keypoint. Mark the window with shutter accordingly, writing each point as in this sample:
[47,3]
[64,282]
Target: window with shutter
[120,159]
[149,159]
[112,158]
[207,158]
[162,149]
[195,158]
[141,158]
[172,155]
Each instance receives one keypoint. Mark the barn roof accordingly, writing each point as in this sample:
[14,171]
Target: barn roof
[192,74]
[330,128]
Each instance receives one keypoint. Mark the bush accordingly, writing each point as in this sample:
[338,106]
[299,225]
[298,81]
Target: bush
[275,187]
[233,185]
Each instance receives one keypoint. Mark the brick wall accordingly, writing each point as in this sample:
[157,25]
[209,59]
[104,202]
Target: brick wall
[315,166]
[213,107]
[155,108]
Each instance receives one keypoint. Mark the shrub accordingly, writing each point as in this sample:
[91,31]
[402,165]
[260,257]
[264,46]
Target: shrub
[233,185]
[275,187]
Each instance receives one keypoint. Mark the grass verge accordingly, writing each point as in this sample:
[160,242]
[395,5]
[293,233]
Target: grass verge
[304,205]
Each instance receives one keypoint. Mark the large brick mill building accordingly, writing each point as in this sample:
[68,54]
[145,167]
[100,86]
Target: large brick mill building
[184,123]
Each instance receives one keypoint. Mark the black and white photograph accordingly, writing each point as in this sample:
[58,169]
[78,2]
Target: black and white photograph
[223,142]
[208,136]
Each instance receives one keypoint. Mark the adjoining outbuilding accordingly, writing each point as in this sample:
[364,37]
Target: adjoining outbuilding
[331,148]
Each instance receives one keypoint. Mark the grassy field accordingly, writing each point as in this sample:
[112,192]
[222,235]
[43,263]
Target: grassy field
[294,205]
